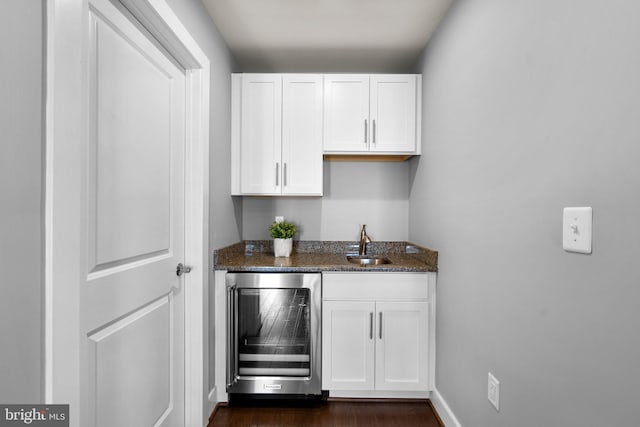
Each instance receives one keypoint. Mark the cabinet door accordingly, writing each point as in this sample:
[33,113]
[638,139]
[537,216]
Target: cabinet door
[260,134]
[393,113]
[302,134]
[346,113]
[348,345]
[402,346]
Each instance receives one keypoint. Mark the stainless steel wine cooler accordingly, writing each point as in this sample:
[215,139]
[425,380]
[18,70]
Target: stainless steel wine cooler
[273,334]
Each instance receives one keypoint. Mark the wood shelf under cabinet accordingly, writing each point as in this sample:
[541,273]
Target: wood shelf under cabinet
[366,157]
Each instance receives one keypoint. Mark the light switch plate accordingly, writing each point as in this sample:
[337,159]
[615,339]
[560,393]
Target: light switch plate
[576,229]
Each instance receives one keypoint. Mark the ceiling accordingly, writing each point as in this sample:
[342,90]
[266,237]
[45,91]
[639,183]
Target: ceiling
[326,35]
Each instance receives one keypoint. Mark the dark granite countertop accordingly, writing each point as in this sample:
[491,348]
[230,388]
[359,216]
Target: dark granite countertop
[315,256]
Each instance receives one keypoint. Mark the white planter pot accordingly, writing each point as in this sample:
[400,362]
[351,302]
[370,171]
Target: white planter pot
[282,247]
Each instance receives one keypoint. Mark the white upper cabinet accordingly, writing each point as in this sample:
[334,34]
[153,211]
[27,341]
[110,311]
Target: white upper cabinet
[277,134]
[260,133]
[282,124]
[346,113]
[372,114]
[302,134]
[392,111]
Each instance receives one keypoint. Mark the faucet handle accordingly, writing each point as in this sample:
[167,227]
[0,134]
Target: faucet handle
[364,237]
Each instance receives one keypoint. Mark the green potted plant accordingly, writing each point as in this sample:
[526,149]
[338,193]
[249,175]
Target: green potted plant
[282,234]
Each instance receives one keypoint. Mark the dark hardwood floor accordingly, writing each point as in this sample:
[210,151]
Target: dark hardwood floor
[335,413]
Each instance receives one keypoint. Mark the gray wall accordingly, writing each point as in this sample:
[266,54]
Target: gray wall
[355,193]
[531,106]
[21,192]
[225,212]
[21,175]
[224,229]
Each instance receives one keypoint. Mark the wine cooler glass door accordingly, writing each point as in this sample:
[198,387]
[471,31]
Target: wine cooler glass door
[274,328]
[273,333]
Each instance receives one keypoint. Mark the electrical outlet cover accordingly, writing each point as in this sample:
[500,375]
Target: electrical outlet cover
[576,229]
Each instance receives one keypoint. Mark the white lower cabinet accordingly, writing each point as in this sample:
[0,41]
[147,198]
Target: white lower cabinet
[402,360]
[376,332]
[348,346]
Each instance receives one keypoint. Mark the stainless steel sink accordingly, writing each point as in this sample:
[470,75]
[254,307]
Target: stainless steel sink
[368,260]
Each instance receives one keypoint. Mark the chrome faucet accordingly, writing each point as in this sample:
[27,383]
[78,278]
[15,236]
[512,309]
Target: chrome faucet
[364,239]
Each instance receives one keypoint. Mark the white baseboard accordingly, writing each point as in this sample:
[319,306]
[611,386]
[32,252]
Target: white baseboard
[210,404]
[443,410]
[212,395]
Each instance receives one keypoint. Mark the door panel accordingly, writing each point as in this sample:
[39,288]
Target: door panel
[302,134]
[131,151]
[348,345]
[393,113]
[346,113]
[137,347]
[132,302]
[402,346]
[261,134]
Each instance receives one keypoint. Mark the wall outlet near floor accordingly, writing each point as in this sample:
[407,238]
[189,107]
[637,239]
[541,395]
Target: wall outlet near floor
[493,391]
[279,219]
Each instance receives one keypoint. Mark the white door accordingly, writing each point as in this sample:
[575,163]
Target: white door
[260,134]
[346,113]
[302,134]
[393,113]
[402,346]
[348,337]
[132,301]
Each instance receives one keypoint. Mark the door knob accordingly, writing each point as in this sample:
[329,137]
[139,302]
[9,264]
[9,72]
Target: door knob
[182,269]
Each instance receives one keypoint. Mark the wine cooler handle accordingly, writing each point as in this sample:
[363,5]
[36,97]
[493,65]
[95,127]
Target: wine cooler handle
[231,327]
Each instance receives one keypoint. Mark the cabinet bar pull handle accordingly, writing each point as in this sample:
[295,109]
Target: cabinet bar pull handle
[277,173]
[284,174]
[371,325]
[365,131]
[374,131]
[380,331]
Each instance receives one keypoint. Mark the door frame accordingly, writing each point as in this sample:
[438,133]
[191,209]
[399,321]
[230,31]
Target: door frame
[66,130]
